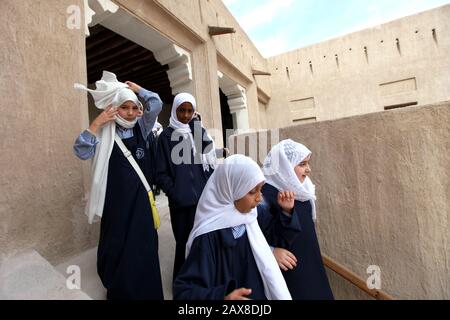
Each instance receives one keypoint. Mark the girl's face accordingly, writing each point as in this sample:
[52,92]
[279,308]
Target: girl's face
[250,200]
[129,111]
[302,170]
[185,112]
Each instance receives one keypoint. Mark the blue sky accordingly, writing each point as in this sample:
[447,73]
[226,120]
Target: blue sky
[277,26]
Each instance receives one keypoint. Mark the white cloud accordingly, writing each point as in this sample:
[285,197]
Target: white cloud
[264,13]
[273,45]
[270,25]
[229,2]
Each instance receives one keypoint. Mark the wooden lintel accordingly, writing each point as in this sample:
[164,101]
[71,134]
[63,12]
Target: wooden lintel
[215,31]
[260,73]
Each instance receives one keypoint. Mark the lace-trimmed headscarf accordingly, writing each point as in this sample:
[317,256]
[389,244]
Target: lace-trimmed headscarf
[279,171]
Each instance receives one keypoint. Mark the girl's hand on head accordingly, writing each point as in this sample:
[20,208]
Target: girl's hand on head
[133,86]
[108,115]
[286,200]
[239,294]
[285,259]
[197,115]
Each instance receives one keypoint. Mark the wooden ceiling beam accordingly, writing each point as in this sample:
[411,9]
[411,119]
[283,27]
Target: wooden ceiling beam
[215,30]
[260,73]
[112,46]
[123,65]
[143,71]
[113,57]
[93,41]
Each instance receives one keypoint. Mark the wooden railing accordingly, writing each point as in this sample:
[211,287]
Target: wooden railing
[354,279]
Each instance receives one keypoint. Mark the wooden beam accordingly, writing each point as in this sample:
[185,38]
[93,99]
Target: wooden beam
[159,76]
[122,66]
[215,31]
[94,41]
[130,50]
[115,44]
[262,96]
[260,73]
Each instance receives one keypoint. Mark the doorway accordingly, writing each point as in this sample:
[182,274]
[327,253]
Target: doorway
[228,123]
[107,50]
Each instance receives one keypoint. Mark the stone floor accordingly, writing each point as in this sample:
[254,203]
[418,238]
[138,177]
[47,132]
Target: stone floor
[29,276]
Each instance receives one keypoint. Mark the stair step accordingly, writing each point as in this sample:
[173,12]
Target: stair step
[29,276]
[90,282]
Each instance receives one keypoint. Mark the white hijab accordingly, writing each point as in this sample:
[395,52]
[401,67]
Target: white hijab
[231,181]
[279,171]
[208,159]
[109,91]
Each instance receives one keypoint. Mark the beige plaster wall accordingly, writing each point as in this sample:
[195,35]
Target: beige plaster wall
[378,158]
[382,184]
[42,181]
[237,47]
[415,71]
[236,52]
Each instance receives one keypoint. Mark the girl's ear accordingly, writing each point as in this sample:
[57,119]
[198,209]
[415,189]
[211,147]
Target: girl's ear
[141,112]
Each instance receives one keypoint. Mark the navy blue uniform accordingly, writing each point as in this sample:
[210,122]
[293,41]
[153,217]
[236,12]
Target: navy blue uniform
[127,258]
[153,149]
[218,264]
[308,281]
[183,184]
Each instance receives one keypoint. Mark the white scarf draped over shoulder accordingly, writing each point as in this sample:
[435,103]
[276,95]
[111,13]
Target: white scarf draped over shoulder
[209,159]
[231,181]
[109,91]
[279,171]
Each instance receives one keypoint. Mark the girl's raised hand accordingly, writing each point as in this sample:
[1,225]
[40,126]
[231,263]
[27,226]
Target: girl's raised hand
[108,115]
[286,200]
[133,86]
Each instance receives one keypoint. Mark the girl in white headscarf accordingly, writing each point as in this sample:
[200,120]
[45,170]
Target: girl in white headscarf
[227,254]
[127,257]
[186,159]
[287,167]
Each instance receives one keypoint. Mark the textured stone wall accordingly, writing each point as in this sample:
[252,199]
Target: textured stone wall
[382,184]
[42,181]
[405,61]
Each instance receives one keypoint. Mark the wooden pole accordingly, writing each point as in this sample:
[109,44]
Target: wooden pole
[260,73]
[354,279]
[215,31]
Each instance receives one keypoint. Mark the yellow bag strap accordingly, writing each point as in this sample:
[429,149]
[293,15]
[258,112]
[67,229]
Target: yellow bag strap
[156,220]
[128,155]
